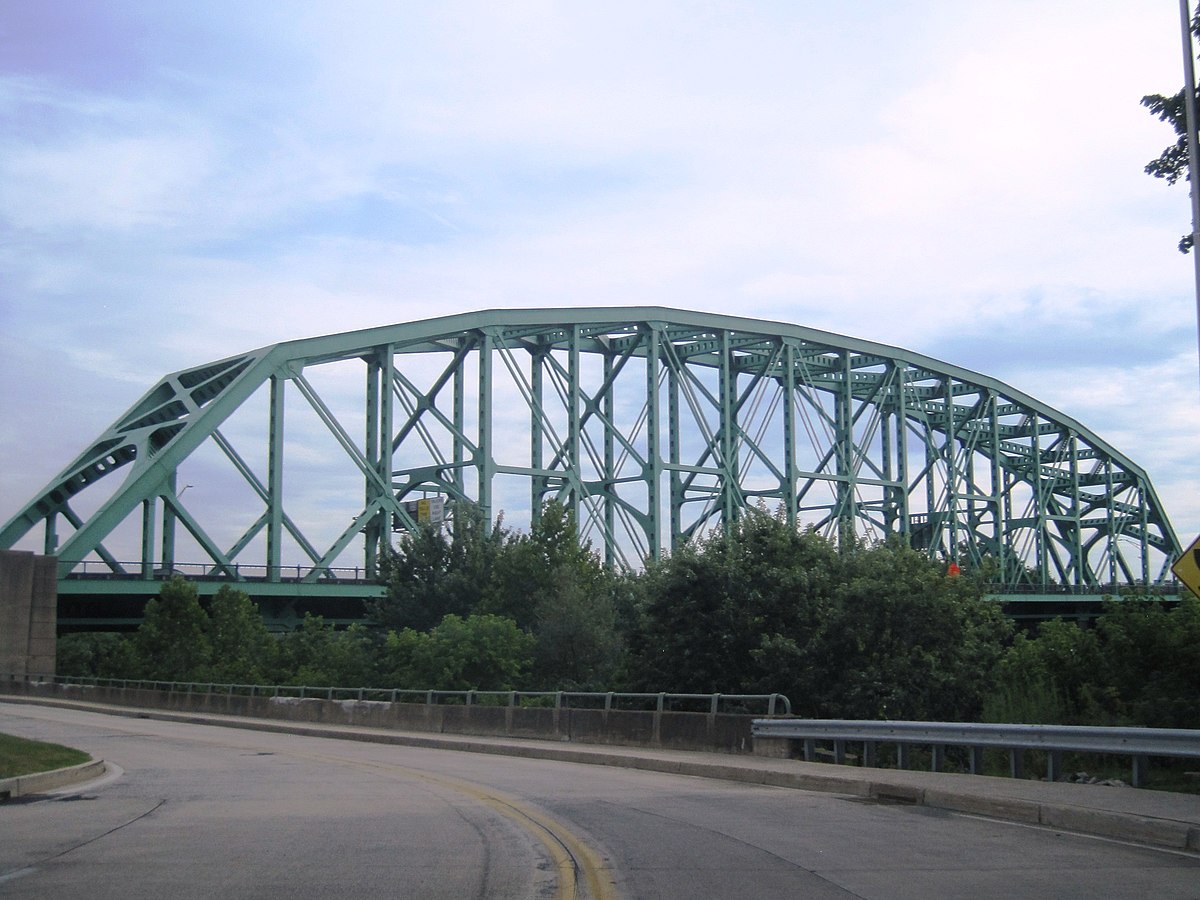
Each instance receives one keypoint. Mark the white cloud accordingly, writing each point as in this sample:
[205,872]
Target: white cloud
[934,175]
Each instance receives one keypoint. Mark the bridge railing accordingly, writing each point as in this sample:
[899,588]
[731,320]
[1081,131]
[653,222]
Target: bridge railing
[1169,588]
[768,704]
[99,570]
[1138,743]
[95,569]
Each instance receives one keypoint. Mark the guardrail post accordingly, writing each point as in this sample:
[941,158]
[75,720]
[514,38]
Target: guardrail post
[1141,769]
[902,760]
[1016,763]
[810,750]
[869,754]
[976,760]
[839,752]
[938,758]
[1053,765]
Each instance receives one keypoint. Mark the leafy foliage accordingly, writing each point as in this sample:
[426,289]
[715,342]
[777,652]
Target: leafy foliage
[545,582]
[317,654]
[901,641]
[707,608]
[480,652]
[1139,665]
[429,577]
[860,631]
[101,654]
[172,643]
[243,651]
[865,632]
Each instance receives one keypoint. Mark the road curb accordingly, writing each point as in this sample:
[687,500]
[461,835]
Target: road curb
[40,782]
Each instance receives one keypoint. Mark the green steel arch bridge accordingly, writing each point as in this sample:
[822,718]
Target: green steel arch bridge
[287,469]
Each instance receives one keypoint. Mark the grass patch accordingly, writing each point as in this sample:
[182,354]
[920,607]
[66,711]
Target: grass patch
[21,757]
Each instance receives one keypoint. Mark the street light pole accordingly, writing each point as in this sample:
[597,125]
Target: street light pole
[1189,108]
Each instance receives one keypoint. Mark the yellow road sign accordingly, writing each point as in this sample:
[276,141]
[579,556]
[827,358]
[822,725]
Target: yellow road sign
[1187,567]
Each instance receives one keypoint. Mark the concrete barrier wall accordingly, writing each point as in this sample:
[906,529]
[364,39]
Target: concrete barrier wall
[722,732]
[28,612]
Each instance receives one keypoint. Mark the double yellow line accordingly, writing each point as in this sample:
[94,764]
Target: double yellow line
[578,865]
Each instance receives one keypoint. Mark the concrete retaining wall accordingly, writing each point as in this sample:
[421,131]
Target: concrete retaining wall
[722,732]
[28,612]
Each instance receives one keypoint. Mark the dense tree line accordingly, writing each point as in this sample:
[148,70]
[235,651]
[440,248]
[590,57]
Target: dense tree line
[860,631]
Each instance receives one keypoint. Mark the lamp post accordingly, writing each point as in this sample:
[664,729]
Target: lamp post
[1189,109]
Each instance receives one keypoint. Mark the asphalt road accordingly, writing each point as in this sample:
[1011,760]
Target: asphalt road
[203,811]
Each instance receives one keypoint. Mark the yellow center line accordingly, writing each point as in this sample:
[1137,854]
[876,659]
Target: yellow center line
[571,855]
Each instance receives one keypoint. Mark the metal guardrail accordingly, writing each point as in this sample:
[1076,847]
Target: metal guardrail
[1054,740]
[775,704]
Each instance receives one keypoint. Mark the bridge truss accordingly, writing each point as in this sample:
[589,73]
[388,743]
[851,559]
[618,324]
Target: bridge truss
[296,462]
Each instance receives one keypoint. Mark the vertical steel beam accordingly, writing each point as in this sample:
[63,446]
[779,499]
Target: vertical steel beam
[728,443]
[1144,522]
[887,415]
[484,460]
[50,539]
[574,438]
[537,482]
[608,407]
[372,528]
[387,406]
[380,403]
[844,424]
[168,531]
[952,473]
[999,542]
[902,446]
[674,453]
[148,537]
[460,418]
[1042,548]
[791,470]
[1079,573]
[1110,516]
[652,472]
[275,477]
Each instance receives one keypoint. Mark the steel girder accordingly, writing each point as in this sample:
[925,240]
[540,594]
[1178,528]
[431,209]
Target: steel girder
[651,424]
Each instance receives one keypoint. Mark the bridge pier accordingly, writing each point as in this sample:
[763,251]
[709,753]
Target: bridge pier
[28,613]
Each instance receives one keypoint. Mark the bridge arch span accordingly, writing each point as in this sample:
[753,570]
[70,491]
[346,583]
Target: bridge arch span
[650,424]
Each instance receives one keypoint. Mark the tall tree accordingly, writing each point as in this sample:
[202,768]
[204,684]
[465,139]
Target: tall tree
[432,573]
[707,608]
[902,640]
[243,651]
[172,642]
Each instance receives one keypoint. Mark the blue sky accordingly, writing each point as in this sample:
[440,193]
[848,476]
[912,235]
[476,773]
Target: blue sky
[179,182]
